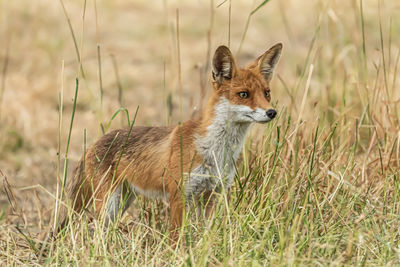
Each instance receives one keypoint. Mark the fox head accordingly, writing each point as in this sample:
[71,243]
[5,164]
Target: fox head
[246,92]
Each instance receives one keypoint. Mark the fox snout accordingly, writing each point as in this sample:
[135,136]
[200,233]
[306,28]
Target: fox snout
[264,116]
[258,115]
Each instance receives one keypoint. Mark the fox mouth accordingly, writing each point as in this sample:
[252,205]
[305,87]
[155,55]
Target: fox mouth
[259,121]
[263,122]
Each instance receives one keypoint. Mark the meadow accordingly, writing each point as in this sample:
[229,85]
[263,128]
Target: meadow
[319,185]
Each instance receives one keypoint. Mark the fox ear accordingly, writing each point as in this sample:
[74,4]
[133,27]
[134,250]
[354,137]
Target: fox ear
[267,62]
[223,65]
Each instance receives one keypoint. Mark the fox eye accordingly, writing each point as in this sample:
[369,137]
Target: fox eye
[267,93]
[243,95]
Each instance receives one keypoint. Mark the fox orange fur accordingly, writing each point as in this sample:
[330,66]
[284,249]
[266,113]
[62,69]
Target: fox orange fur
[179,163]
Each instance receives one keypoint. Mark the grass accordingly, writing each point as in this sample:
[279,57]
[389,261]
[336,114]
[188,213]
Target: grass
[317,186]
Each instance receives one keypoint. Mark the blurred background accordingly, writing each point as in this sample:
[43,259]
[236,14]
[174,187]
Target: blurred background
[339,63]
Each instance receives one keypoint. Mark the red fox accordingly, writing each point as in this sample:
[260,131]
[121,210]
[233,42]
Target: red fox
[184,162]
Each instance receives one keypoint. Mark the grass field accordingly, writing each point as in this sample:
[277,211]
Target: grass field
[320,185]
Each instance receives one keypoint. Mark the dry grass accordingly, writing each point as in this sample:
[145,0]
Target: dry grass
[318,186]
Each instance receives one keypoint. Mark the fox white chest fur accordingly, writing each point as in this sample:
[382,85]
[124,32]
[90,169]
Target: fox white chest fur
[220,148]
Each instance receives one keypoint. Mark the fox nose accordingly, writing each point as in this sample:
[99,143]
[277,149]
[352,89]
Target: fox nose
[271,113]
